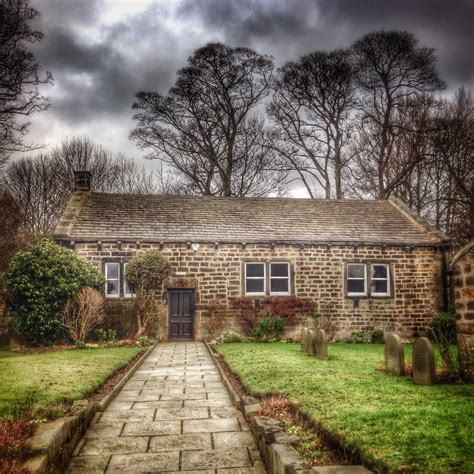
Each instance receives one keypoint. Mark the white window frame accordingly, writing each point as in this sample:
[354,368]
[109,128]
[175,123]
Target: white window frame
[107,279]
[125,294]
[387,266]
[349,293]
[280,293]
[256,278]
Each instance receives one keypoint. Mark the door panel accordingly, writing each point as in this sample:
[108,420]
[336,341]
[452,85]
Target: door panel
[181,314]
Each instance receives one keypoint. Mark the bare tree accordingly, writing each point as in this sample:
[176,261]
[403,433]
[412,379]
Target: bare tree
[82,313]
[10,217]
[311,106]
[390,70]
[206,128]
[19,75]
[109,172]
[453,142]
[435,142]
[42,185]
[39,191]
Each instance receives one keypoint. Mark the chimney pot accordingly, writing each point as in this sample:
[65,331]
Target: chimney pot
[82,180]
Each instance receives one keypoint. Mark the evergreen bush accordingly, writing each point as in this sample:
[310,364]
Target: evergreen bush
[39,280]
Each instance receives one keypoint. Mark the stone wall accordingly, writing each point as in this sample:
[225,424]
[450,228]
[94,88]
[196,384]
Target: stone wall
[463,283]
[215,271]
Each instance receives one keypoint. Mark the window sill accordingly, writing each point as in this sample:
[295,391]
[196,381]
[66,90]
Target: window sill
[369,297]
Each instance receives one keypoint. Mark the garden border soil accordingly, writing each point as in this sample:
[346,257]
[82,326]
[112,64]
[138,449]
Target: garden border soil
[274,443]
[54,442]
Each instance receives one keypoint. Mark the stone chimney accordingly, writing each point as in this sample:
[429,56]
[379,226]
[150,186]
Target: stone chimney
[82,180]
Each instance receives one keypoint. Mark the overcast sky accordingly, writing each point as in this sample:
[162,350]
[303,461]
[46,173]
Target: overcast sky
[102,52]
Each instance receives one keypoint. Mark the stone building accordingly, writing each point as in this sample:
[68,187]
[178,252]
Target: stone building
[362,264]
[463,286]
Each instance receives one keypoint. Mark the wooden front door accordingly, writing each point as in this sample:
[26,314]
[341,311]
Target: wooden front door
[181,314]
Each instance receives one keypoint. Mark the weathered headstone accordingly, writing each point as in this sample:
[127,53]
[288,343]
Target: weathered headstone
[311,343]
[394,355]
[321,344]
[307,341]
[423,362]
[303,339]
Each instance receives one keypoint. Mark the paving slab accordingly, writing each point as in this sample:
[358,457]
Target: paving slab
[173,415]
[148,462]
[188,413]
[152,428]
[128,415]
[233,439]
[118,445]
[88,464]
[181,442]
[213,425]
[215,458]
[104,430]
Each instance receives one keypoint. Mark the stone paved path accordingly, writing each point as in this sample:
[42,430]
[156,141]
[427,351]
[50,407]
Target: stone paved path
[173,415]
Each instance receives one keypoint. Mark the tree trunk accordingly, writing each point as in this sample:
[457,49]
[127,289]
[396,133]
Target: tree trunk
[338,166]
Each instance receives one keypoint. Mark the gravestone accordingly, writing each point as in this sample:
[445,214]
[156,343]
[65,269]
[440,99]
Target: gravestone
[311,343]
[321,344]
[307,341]
[394,355]
[303,340]
[423,362]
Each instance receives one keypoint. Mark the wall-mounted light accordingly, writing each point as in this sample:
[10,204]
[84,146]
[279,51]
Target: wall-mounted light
[195,247]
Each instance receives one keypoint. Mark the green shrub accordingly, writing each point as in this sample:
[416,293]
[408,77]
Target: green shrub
[377,336]
[80,344]
[144,341]
[269,329]
[357,338]
[106,335]
[443,328]
[230,337]
[39,281]
[146,273]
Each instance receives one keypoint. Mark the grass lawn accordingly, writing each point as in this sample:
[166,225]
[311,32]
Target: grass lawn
[394,424]
[57,376]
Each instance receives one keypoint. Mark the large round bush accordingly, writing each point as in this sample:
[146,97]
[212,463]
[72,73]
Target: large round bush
[39,280]
[146,272]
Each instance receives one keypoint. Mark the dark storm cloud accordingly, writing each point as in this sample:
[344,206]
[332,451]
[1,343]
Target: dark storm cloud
[100,62]
[98,77]
[63,50]
[287,28]
[444,25]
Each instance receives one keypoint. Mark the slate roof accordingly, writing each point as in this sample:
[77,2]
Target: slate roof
[218,219]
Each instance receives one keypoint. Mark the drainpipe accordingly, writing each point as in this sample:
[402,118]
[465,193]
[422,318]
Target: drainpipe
[445,273]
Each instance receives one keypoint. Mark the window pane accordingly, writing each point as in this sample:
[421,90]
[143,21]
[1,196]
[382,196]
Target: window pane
[112,287]
[279,285]
[355,286]
[279,269]
[254,286]
[379,286]
[112,271]
[356,271]
[379,271]
[255,270]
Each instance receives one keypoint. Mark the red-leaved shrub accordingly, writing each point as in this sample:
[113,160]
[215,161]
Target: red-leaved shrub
[215,318]
[14,447]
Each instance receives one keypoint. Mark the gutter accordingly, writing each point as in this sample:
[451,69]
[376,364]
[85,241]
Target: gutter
[66,238]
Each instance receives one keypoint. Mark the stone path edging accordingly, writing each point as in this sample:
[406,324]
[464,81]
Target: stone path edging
[54,442]
[233,394]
